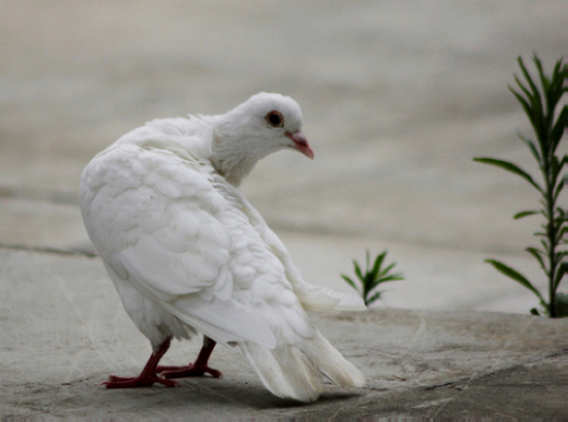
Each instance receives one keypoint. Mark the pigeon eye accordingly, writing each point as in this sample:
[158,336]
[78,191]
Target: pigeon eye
[275,119]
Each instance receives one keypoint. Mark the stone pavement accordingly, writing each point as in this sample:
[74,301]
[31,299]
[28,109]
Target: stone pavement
[397,97]
[64,331]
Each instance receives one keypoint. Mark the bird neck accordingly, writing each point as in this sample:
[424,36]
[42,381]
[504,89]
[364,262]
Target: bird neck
[233,167]
[232,152]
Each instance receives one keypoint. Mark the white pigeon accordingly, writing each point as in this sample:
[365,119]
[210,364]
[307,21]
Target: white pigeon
[187,252]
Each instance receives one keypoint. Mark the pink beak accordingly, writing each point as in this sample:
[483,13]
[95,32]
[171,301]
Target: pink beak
[301,143]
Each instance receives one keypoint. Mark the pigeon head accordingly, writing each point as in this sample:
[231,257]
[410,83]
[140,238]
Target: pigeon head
[263,124]
[276,121]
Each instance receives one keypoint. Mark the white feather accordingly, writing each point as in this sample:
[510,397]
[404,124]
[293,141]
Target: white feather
[187,251]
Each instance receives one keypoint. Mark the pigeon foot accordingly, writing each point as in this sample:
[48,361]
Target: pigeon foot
[197,369]
[148,375]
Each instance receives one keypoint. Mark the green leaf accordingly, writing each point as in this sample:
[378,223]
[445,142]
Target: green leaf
[555,169]
[564,162]
[386,270]
[358,271]
[537,253]
[372,277]
[562,270]
[373,298]
[558,189]
[515,275]
[386,279]
[377,264]
[543,79]
[523,88]
[349,281]
[532,147]
[534,115]
[393,277]
[513,168]
[529,112]
[534,311]
[556,72]
[535,101]
[561,233]
[559,127]
[544,244]
[523,214]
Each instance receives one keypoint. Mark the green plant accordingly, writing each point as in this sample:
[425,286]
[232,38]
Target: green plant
[372,278]
[541,109]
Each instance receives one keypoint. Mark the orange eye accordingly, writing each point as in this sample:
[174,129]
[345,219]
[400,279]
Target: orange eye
[275,119]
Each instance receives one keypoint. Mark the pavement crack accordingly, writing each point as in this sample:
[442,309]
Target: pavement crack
[39,194]
[450,384]
[49,250]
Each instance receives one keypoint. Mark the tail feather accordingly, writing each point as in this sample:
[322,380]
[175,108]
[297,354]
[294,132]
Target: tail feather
[296,371]
[319,298]
[335,367]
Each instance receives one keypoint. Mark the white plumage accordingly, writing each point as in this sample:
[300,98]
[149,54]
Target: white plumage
[187,252]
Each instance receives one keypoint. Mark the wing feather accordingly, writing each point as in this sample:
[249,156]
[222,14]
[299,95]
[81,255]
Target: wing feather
[312,297]
[154,217]
[225,322]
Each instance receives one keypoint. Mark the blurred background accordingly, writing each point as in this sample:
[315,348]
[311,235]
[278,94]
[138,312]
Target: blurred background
[397,96]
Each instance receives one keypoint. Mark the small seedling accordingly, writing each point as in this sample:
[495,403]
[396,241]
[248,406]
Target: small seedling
[540,107]
[372,278]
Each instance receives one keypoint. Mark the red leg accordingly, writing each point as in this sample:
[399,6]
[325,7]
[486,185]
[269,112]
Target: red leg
[148,375]
[196,369]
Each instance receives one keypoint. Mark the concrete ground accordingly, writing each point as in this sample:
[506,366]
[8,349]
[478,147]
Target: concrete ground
[398,97]
[64,331]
